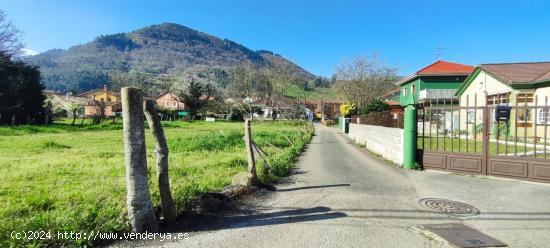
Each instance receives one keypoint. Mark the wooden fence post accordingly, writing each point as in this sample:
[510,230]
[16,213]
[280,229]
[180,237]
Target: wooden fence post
[140,209]
[252,176]
[161,154]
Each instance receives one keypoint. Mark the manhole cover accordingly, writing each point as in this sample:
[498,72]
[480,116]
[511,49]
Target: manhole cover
[449,207]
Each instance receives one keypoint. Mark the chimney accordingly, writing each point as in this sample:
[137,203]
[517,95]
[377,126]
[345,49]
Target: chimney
[104,87]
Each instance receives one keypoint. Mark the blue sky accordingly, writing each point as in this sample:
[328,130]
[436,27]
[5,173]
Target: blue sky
[314,34]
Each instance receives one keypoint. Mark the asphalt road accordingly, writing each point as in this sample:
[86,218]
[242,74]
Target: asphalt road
[340,196]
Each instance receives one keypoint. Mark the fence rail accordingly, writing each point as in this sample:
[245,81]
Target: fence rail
[460,129]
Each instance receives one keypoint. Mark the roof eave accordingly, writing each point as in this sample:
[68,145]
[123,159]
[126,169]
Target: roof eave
[406,80]
[467,81]
[450,74]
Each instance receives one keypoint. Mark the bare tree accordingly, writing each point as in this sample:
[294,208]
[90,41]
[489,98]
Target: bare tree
[241,88]
[9,36]
[363,78]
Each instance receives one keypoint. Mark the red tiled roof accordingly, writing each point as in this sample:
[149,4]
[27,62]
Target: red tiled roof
[441,67]
[531,72]
[393,103]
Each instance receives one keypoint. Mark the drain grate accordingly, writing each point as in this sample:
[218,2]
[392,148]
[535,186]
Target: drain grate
[449,207]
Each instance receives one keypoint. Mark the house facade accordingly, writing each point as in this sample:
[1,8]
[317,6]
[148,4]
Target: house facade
[331,108]
[102,100]
[519,85]
[433,84]
[169,101]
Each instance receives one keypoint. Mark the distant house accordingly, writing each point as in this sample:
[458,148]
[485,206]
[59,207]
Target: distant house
[332,107]
[392,99]
[62,102]
[168,100]
[522,84]
[435,83]
[104,99]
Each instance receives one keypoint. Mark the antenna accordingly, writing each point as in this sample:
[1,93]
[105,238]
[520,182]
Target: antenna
[438,53]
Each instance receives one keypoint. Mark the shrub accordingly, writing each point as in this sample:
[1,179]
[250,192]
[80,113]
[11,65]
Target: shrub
[348,109]
[376,105]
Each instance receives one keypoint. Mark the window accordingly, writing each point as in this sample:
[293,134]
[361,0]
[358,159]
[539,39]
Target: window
[174,104]
[497,99]
[404,91]
[102,99]
[109,99]
[542,116]
[413,88]
[525,98]
[524,117]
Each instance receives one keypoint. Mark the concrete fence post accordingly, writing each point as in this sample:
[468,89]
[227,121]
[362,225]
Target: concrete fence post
[161,154]
[252,175]
[140,209]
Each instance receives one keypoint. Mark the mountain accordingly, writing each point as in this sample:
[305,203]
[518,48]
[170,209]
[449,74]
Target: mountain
[166,48]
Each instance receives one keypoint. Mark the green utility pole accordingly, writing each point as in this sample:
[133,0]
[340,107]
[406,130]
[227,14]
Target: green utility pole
[409,143]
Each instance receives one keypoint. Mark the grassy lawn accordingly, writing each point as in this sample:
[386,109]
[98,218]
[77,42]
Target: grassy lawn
[64,178]
[439,144]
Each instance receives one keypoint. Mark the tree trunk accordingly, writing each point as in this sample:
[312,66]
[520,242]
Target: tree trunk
[140,209]
[13,120]
[161,152]
[74,118]
[253,177]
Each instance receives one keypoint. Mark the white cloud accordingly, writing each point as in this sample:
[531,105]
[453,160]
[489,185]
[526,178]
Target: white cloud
[29,52]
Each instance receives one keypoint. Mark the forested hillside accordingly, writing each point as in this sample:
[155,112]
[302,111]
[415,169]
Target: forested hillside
[145,55]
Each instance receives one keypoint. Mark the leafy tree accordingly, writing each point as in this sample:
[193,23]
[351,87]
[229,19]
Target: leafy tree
[376,105]
[74,108]
[195,95]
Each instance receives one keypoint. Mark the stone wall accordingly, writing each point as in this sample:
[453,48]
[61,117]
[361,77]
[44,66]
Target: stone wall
[385,141]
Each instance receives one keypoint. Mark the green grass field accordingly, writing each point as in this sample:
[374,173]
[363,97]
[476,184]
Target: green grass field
[63,178]
[471,146]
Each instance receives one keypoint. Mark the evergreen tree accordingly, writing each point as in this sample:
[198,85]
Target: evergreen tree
[21,96]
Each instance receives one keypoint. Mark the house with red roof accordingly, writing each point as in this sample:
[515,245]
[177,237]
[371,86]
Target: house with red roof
[434,84]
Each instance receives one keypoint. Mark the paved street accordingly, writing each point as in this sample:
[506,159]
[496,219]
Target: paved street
[342,197]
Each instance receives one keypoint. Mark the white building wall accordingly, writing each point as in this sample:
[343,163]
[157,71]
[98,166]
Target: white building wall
[482,83]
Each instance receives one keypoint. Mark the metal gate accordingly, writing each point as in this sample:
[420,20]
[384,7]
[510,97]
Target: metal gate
[483,140]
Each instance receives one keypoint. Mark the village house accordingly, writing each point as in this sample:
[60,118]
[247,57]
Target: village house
[510,84]
[104,99]
[168,101]
[392,98]
[331,108]
[64,103]
[434,84]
